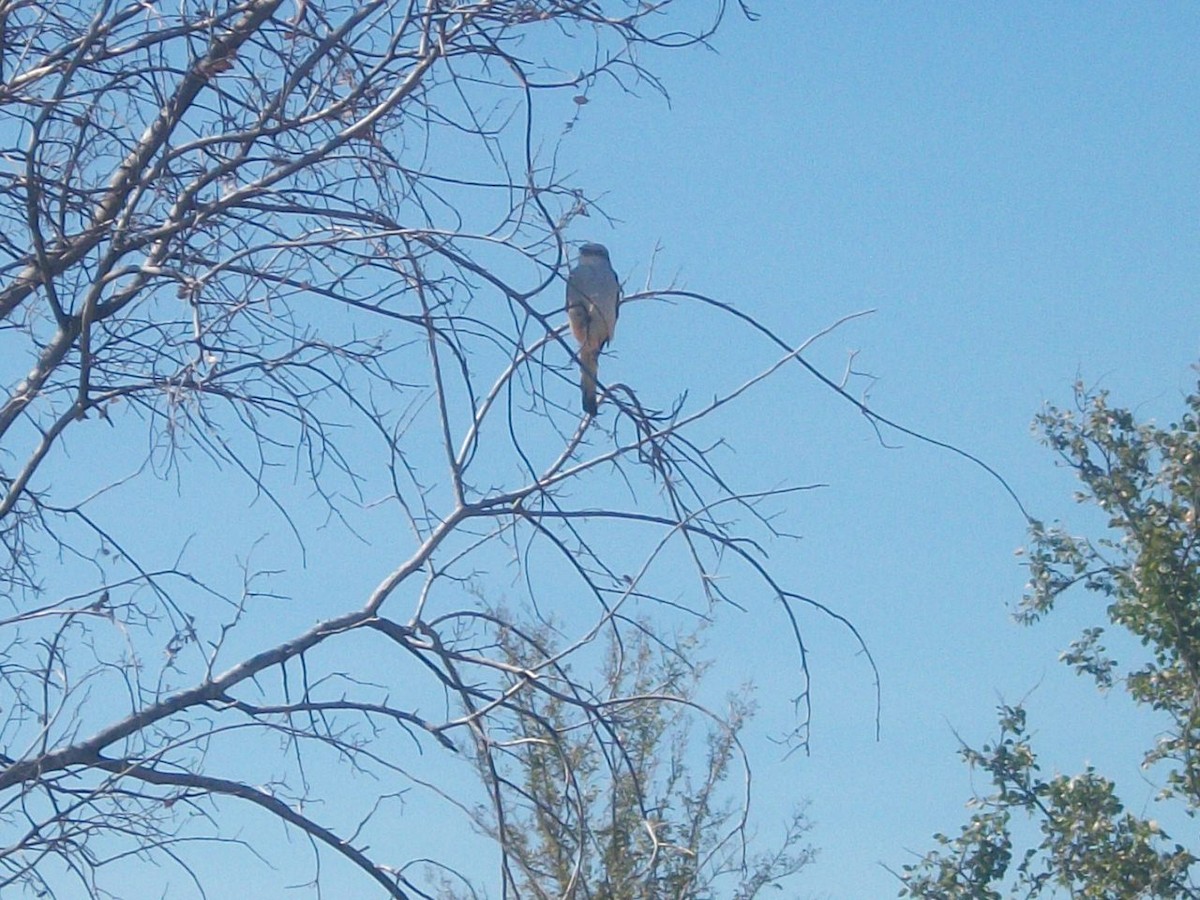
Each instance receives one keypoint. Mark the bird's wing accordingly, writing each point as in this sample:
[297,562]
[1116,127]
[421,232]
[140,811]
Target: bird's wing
[577,308]
[610,302]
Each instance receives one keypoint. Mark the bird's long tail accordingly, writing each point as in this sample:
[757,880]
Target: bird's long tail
[589,361]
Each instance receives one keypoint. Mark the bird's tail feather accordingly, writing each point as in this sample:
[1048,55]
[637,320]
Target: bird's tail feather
[589,360]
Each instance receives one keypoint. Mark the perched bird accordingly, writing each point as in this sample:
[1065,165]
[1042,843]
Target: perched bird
[593,296]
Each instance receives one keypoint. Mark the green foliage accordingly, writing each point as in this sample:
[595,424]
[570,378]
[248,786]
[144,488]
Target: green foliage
[1090,847]
[1146,568]
[639,806]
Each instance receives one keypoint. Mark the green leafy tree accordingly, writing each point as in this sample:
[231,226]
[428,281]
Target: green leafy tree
[1146,570]
[619,797]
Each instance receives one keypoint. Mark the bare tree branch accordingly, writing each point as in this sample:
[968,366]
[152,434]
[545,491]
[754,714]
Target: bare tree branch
[301,264]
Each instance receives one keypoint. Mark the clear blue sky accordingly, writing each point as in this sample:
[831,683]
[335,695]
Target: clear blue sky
[1015,189]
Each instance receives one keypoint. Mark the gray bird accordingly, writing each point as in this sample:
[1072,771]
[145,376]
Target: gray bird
[593,300]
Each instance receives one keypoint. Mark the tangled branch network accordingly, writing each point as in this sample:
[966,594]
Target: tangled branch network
[299,520]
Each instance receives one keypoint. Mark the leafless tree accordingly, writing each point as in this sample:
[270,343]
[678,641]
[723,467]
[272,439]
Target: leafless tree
[307,258]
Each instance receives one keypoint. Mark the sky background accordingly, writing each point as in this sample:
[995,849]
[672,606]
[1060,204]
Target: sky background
[1014,190]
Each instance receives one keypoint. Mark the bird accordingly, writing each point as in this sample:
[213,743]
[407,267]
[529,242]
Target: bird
[593,304]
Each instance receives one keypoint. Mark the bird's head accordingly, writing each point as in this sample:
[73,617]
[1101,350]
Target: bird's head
[593,251]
